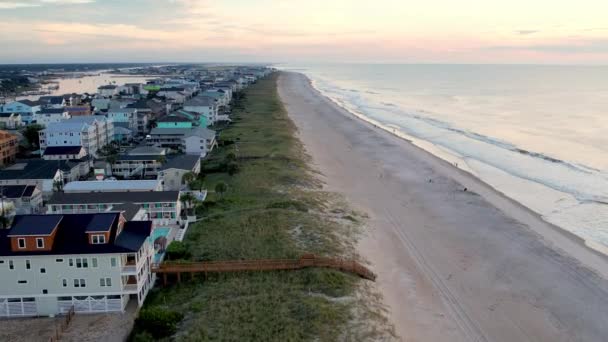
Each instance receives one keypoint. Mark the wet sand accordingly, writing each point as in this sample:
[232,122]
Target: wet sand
[452,265]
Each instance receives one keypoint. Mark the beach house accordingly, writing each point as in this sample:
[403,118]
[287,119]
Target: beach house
[206,106]
[47,116]
[162,207]
[90,132]
[91,263]
[9,146]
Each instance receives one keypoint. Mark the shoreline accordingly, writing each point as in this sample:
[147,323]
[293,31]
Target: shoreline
[485,233]
[595,247]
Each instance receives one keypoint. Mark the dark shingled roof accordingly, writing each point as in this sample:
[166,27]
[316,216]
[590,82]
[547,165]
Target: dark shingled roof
[100,223]
[51,111]
[34,225]
[32,169]
[183,162]
[71,237]
[60,150]
[113,197]
[172,89]
[51,99]
[173,118]
[17,191]
[134,234]
[128,210]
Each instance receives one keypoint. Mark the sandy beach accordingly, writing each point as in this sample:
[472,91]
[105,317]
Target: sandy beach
[452,265]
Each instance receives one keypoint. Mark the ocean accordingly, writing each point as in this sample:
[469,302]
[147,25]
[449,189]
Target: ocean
[538,134]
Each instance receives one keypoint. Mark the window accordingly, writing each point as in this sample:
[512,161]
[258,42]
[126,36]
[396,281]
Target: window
[113,262]
[45,291]
[71,262]
[78,263]
[28,265]
[58,260]
[39,243]
[94,262]
[64,282]
[99,239]
[11,265]
[85,262]
[22,281]
[79,283]
[43,270]
[21,242]
[103,282]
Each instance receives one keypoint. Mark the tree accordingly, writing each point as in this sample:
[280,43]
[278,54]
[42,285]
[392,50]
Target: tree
[111,159]
[230,157]
[187,199]
[221,188]
[232,168]
[161,159]
[158,322]
[188,177]
[32,135]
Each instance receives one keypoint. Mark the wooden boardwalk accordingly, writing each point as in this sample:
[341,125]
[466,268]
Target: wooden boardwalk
[306,261]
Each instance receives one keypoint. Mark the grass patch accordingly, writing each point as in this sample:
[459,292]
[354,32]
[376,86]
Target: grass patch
[272,208]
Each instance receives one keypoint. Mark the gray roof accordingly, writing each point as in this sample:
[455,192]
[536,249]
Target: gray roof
[170,131]
[202,132]
[200,101]
[182,162]
[114,197]
[146,150]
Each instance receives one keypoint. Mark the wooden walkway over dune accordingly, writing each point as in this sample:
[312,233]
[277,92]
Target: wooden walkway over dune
[306,261]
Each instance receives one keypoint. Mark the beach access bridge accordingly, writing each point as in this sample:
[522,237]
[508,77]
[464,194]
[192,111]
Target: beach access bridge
[177,268]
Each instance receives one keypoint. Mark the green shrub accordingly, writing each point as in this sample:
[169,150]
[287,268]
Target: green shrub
[177,250]
[299,206]
[157,322]
[232,168]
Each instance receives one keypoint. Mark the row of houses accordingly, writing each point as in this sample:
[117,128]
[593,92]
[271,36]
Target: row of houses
[89,245]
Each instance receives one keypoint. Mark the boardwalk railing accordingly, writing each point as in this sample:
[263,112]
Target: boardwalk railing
[306,261]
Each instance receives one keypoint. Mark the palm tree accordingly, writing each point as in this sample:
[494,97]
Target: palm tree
[161,159]
[187,199]
[221,188]
[188,177]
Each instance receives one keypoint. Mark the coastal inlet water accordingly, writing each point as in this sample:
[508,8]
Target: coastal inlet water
[89,84]
[538,134]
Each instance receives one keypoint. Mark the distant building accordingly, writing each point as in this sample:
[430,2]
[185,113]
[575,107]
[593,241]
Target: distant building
[197,140]
[107,90]
[82,110]
[163,207]
[46,116]
[141,162]
[174,170]
[27,199]
[56,102]
[93,263]
[26,108]
[205,106]
[9,146]
[10,120]
[64,153]
[90,132]
[113,186]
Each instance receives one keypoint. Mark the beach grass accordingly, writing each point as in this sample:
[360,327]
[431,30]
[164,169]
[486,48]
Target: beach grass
[273,208]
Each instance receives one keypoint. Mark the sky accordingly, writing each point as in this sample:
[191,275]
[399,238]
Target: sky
[305,31]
